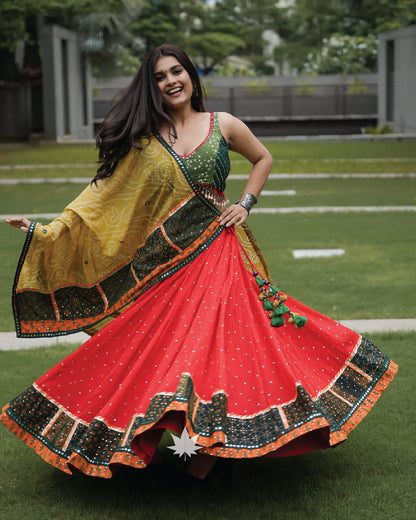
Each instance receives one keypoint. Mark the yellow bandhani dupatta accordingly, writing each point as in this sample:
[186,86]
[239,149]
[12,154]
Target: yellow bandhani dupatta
[113,242]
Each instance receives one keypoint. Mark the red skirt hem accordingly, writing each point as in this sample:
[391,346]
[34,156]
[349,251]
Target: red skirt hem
[312,435]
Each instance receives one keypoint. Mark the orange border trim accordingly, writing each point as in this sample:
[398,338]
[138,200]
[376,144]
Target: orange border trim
[335,437]
[74,325]
[76,461]
[127,458]
[368,402]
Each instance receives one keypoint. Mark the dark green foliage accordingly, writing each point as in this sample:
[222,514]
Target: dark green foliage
[308,22]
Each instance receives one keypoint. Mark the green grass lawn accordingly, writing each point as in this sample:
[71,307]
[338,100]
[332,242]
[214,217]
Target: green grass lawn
[48,197]
[24,199]
[289,157]
[373,280]
[86,153]
[334,192]
[372,475]
[48,154]
[375,277]
[240,167]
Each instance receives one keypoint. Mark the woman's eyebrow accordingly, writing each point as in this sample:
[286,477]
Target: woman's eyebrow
[171,69]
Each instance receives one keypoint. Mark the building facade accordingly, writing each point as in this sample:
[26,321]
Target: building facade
[397,79]
[67,100]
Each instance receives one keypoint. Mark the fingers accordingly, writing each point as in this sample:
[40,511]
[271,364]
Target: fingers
[21,223]
[233,215]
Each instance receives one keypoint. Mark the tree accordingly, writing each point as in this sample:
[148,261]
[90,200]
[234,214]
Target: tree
[211,48]
[19,22]
[159,22]
[191,24]
[344,54]
[309,22]
[373,16]
[305,25]
[107,40]
[248,20]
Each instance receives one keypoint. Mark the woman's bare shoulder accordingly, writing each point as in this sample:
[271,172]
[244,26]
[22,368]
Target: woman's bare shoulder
[229,124]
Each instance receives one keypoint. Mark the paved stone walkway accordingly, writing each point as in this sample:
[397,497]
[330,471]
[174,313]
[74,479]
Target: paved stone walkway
[8,340]
[268,211]
[231,177]
[333,209]
[7,167]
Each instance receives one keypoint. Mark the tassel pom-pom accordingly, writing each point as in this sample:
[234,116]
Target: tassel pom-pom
[268,305]
[260,282]
[276,303]
[281,309]
[262,296]
[277,321]
[300,321]
[282,297]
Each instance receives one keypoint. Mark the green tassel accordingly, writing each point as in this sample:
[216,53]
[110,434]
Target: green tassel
[260,281]
[300,321]
[274,289]
[278,321]
[268,305]
[282,309]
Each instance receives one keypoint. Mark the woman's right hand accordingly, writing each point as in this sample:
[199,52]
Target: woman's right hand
[19,222]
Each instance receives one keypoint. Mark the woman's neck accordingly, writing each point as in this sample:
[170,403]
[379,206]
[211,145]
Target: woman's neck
[181,117]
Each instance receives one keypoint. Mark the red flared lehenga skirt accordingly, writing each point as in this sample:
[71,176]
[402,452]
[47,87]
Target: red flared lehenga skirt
[198,350]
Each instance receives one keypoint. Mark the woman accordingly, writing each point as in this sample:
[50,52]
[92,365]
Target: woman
[189,330]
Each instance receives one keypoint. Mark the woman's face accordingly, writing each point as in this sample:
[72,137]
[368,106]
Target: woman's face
[174,82]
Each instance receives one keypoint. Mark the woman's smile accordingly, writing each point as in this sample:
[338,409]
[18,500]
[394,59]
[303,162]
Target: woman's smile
[175,91]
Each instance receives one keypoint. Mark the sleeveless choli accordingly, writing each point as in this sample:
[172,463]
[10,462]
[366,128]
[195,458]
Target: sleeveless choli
[198,351]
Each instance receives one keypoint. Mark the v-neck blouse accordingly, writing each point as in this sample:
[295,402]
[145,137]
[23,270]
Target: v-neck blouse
[211,128]
[209,163]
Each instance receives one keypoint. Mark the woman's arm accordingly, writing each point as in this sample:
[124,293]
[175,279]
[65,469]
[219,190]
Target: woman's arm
[241,140]
[21,223]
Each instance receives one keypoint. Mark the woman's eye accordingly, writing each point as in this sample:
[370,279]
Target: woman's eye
[178,71]
[158,78]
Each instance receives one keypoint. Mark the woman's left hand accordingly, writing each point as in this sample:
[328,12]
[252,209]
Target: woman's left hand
[234,214]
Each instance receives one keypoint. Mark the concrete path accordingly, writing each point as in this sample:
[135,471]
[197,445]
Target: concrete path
[331,209]
[47,180]
[315,176]
[283,138]
[7,167]
[268,211]
[8,340]
[232,177]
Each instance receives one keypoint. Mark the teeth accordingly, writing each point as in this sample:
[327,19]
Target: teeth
[174,91]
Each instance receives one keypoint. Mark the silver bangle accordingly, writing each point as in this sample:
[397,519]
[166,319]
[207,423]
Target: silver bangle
[248,201]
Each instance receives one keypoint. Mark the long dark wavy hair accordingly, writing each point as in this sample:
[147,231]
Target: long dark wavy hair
[139,111]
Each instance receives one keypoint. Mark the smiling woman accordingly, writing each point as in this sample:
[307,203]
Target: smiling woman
[177,90]
[140,110]
[188,329]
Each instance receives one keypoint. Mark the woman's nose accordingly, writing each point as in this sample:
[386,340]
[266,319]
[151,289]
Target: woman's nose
[170,79]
